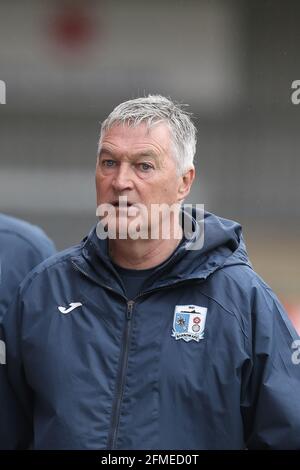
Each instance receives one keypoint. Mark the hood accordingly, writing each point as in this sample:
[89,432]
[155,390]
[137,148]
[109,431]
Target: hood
[223,245]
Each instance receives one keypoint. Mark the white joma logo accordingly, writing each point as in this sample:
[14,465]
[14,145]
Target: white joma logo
[73,305]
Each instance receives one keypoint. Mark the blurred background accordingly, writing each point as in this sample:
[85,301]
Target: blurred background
[66,64]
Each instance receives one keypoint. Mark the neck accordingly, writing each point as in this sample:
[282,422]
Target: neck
[143,254]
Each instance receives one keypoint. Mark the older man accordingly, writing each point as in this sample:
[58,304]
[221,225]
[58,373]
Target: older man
[134,339]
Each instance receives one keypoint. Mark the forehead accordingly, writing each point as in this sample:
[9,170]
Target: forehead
[123,136]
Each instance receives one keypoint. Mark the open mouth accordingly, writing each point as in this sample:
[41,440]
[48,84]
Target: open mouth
[122,204]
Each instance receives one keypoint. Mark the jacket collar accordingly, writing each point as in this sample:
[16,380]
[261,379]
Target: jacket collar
[223,246]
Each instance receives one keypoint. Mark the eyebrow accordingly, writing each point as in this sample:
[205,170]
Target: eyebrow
[104,150]
[143,153]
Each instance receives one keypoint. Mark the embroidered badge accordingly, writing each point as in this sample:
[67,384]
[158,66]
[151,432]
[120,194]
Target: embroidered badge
[189,322]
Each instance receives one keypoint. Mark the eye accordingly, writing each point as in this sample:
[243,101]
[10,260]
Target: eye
[107,163]
[145,167]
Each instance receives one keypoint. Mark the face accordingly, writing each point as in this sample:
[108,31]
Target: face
[137,163]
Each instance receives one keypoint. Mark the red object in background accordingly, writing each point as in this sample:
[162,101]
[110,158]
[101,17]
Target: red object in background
[293,311]
[72,26]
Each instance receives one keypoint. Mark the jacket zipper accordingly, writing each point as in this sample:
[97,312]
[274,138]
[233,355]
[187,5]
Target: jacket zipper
[116,406]
[112,437]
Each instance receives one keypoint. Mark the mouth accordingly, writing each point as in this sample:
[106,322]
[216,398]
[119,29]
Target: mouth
[122,204]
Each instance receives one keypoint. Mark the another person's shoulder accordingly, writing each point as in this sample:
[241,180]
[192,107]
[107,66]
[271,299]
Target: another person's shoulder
[57,268]
[18,234]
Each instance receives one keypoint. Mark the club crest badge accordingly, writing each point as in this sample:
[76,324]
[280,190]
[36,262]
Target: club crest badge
[189,322]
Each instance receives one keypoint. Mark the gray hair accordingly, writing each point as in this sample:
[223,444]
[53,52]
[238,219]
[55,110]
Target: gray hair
[155,109]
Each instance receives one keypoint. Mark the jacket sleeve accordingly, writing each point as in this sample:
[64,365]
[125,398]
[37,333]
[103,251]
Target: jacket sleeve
[271,379]
[16,398]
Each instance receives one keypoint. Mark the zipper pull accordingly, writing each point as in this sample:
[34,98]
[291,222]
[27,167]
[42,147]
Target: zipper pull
[130,305]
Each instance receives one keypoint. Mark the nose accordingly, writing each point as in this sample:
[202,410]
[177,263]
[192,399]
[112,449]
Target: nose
[123,178]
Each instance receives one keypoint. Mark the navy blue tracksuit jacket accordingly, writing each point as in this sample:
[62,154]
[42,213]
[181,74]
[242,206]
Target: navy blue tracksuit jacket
[22,247]
[202,358]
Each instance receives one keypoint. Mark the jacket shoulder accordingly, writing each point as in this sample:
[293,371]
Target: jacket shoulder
[59,262]
[239,289]
[24,235]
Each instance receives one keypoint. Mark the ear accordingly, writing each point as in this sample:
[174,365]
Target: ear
[186,182]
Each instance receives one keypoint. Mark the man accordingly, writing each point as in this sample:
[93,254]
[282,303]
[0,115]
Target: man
[152,342]
[22,247]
